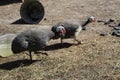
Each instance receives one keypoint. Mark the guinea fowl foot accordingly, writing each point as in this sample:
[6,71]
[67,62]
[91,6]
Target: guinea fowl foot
[44,53]
[79,42]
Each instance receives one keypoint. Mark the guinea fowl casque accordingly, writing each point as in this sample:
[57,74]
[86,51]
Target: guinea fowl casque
[70,29]
[31,40]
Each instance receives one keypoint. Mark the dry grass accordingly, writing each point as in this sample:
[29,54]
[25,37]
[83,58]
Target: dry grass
[98,58]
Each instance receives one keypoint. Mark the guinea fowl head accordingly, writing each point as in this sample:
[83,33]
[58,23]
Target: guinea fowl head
[92,19]
[61,30]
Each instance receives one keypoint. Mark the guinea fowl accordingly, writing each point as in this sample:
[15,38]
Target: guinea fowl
[31,40]
[70,29]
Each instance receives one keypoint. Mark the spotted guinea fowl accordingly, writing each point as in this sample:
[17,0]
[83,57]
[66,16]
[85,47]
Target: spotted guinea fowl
[71,29]
[31,40]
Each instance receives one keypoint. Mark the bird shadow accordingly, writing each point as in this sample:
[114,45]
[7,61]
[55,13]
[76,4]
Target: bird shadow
[16,64]
[21,63]
[7,2]
[57,46]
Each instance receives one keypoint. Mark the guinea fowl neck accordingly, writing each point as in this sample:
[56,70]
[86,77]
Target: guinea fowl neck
[85,23]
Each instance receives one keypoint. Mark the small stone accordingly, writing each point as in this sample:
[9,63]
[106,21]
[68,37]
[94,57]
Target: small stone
[93,44]
[113,34]
[111,20]
[119,24]
[103,33]
[117,28]
[45,19]
[116,33]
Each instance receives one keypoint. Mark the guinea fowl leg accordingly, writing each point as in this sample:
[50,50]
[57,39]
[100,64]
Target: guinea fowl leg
[75,39]
[30,54]
[61,39]
[77,33]
[79,42]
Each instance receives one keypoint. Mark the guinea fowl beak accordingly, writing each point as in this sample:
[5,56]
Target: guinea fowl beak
[94,20]
[62,33]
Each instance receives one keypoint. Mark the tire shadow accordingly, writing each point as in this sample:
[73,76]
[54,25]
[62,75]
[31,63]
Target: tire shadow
[7,2]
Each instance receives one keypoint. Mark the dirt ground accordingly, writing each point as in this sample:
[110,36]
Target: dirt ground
[98,58]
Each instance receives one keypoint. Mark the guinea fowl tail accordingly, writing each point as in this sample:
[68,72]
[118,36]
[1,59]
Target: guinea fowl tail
[18,46]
